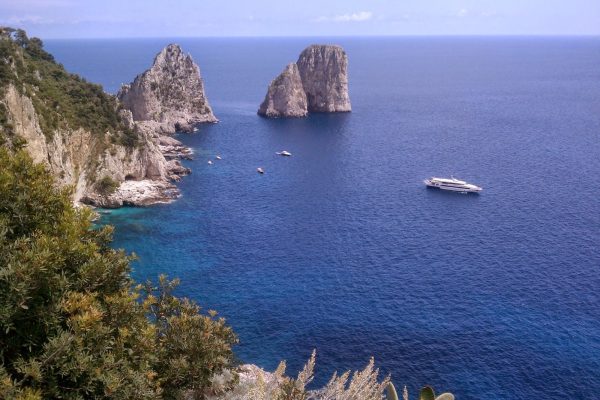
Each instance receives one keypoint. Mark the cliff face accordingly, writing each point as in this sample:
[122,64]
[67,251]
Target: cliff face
[285,96]
[170,94]
[324,73]
[81,159]
[78,132]
[317,82]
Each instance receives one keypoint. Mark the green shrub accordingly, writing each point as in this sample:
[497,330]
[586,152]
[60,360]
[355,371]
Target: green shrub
[73,324]
[62,100]
[107,186]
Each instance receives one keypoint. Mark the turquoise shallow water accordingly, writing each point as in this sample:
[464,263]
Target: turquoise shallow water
[341,247]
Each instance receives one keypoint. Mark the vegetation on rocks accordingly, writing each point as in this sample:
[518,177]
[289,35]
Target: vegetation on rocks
[62,100]
[107,186]
[73,324]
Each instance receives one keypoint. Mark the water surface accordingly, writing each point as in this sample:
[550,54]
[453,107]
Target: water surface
[341,247]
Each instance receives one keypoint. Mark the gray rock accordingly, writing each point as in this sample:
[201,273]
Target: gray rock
[81,157]
[285,96]
[324,73]
[135,193]
[317,82]
[75,158]
[170,93]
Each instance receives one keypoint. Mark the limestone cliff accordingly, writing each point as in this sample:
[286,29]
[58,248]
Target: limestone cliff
[81,159]
[317,82]
[170,94]
[324,73]
[77,130]
[286,96]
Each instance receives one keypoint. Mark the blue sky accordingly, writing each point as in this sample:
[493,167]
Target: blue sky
[153,18]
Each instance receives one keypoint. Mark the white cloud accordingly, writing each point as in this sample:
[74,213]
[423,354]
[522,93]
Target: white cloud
[462,13]
[353,17]
[359,16]
[26,19]
[27,5]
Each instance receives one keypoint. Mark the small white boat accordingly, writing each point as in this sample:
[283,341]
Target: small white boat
[218,157]
[210,162]
[284,153]
[260,170]
[452,184]
[195,129]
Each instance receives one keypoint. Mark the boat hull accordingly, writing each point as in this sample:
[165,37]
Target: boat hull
[459,189]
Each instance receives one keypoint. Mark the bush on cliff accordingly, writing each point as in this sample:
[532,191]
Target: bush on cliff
[73,324]
[107,186]
[61,100]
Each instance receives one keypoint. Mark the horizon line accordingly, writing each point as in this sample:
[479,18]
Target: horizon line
[408,35]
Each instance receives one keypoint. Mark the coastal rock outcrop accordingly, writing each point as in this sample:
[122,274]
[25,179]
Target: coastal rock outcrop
[285,96]
[81,134]
[80,159]
[317,82]
[324,73]
[170,95]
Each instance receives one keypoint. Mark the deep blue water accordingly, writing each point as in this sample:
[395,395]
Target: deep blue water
[341,247]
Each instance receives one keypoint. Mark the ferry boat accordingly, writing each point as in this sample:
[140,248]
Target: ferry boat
[452,184]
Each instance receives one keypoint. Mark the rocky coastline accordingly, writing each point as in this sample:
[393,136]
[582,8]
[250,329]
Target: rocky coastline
[137,161]
[122,154]
[166,98]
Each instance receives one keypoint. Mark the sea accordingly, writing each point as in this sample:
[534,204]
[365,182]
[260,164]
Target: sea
[341,247]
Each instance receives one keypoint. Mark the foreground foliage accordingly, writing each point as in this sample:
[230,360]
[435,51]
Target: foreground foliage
[72,323]
[362,385]
[426,393]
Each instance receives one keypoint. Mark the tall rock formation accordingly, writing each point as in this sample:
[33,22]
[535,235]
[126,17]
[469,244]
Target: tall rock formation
[324,73]
[285,96]
[170,94]
[78,132]
[317,82]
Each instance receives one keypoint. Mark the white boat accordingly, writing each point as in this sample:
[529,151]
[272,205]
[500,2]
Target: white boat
[218,157]
[209,162]
[260,170]
[284,153]
[452,184]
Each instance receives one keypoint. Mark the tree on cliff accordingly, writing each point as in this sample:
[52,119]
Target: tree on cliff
[72,322]
[61,100]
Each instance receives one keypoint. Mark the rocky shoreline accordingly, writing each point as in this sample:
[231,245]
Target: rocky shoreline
[146,192]
[136,161]
[167,98]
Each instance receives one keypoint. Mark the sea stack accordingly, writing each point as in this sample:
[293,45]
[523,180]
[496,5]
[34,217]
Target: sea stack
[286,96]
[324,73]
[170,93]
[317,82]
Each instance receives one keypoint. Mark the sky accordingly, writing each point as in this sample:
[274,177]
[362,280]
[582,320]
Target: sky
[199,18]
